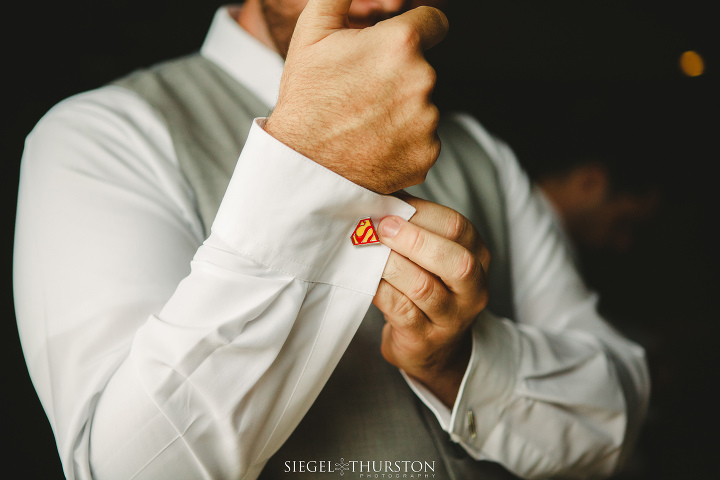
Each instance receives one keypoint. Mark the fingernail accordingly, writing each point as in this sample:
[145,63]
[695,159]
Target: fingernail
[389,227]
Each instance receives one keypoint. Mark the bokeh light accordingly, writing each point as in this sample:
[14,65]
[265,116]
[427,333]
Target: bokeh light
[691,63]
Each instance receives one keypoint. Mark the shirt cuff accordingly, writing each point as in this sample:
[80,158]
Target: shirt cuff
[488,384]
[437,407]
[293,215]
[486,387]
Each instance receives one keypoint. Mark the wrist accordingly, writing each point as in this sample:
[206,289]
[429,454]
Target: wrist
[444,378]
[319,149]
[329,148]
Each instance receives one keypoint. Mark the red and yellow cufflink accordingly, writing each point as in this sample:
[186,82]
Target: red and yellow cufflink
[364,233]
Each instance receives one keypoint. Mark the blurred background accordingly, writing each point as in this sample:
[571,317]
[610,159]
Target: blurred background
[592,96]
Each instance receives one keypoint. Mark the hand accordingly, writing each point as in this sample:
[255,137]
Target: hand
[433,287]
[357,101]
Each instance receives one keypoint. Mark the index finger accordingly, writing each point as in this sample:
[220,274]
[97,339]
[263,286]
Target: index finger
[429,23]
[447,223]
[456,266]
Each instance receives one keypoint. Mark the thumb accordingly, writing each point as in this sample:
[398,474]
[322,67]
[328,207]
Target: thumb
[320,18]
[430,24]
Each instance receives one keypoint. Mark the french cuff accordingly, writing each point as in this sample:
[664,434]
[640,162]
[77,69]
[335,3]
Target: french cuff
[486,387]
[488,384]
[295,216]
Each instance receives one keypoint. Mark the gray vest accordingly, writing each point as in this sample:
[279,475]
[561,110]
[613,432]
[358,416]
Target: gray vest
[366,412]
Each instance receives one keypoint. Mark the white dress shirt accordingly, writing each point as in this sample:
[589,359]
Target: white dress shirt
[158,353]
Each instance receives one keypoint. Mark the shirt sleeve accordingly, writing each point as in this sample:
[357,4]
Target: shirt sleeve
[157,353]
[557,392]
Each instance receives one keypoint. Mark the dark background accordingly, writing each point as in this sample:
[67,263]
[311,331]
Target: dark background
[548,77]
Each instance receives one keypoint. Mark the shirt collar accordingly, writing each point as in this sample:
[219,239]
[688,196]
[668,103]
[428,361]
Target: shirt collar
[242,56]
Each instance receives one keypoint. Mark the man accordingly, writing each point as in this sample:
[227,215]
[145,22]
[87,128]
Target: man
[595,213]
[256,360]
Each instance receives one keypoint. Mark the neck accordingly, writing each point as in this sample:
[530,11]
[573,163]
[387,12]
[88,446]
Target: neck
[251,18]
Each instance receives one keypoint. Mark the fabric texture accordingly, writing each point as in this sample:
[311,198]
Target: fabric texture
[161,351]
[366,410]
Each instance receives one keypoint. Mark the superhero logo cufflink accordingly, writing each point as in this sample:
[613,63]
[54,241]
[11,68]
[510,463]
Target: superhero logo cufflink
[364,233]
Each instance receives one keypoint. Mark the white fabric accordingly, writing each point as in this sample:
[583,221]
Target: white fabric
[160,354]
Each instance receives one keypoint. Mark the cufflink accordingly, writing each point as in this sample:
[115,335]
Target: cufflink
[364,233]
[471,424]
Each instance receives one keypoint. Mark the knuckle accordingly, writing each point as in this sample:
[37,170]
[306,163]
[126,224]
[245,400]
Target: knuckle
[466,268]
[432,75]
[479,301]
[428,153]
[426,78]
[404,308]
[457,225]
[416,241]
[407,37]
[428,121]
[434,149]
[423,289]
[434,121]
[392,267]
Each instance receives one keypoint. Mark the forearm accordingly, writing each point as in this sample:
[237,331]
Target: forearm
[233,361]
[139,370]
[218,390]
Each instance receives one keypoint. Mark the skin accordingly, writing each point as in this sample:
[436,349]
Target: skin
[356,85]
[273,21]
[433,287]
[343,88]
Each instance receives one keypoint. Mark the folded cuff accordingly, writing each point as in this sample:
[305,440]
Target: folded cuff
[295,216]
[488,384]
